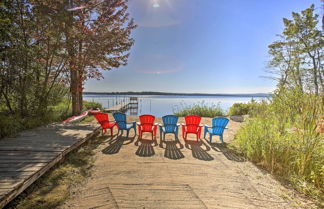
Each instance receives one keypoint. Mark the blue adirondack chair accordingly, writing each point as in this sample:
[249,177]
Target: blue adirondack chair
[170,125]
[219,125]
[122,125]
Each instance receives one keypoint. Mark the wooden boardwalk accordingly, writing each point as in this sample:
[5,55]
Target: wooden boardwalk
[23,159]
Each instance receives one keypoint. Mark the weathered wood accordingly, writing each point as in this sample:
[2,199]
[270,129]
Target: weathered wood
[20,165]
[33,149]
[118,107]
[24,159]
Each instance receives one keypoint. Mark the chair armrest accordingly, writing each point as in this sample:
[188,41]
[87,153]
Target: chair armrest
[156,124]
[183,124]
[201,125]
[138,123]
[178,124]
[206,125]
[160,124]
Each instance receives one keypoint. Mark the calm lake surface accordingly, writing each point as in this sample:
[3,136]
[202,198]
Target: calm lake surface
[160,105]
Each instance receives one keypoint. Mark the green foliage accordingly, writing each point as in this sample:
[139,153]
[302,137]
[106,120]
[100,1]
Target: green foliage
[297,57]
[284,139]
[200,109]
[11,124]
[91,105]
[250,108]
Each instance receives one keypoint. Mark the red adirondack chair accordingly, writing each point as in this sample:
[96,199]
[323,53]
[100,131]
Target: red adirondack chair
[102,118]
[191,126]
[147,125]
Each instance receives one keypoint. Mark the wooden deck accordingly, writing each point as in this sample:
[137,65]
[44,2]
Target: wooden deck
[23,159]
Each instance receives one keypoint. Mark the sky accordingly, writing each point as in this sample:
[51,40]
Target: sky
[201,46]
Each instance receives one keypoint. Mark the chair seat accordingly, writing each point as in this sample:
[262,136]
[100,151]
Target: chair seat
[147,128]
[215,131]
[128,126]
[168,131]
[106,124]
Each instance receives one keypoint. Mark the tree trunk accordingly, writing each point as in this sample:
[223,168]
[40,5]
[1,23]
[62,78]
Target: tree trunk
[75,93]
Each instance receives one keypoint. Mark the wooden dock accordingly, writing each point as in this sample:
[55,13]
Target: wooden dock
[25,158]
[118,108]
[132,103]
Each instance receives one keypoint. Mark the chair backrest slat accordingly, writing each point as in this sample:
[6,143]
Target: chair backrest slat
[147,119]
[219,124]
[170,122]
[101,117]
[120,119]
[192,120]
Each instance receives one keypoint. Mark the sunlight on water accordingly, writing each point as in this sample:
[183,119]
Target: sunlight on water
[163,105]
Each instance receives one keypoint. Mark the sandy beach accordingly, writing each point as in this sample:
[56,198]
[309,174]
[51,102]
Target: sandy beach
[133,173]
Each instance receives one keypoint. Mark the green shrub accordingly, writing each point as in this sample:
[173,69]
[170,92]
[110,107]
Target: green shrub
[91,105]
[250,108]
[10,125]
[200,109]
[283,139]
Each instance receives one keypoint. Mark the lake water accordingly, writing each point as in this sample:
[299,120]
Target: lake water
[160,105]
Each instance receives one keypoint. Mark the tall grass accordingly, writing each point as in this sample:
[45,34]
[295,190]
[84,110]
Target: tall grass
[284,138]
[251,108]
[200,109]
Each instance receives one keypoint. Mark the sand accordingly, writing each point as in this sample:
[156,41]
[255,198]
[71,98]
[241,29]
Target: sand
[133,173]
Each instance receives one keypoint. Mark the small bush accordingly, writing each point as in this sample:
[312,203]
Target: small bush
[250,108]
[200,109]
[91,105]
[9,125]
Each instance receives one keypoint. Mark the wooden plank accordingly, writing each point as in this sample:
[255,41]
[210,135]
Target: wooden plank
[44,160]
[23,153]
[33,168]
[21,165]
[31,179]
[16,157]
[15,173]
[117,107]
[40,149]
[37,144]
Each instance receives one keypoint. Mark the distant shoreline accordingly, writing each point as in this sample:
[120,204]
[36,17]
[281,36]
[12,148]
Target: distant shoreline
[177,94]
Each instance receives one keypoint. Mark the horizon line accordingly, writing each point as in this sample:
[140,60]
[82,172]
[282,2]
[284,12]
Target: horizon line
[172,93]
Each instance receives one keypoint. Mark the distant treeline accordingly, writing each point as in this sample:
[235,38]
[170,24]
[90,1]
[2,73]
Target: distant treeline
[176,94]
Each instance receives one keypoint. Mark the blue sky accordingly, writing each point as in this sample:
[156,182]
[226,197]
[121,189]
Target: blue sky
[207,46]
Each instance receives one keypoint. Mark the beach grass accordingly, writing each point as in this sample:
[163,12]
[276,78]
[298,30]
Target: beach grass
[200,109]
[284,138]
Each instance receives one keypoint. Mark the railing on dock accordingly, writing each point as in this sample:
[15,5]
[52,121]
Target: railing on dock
[124,104]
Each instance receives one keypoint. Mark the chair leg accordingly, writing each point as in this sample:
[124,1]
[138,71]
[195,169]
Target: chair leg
[197,136]
[210,137]
[111,131]
[161,133]
[205,132]
[221,138]
[127,133]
